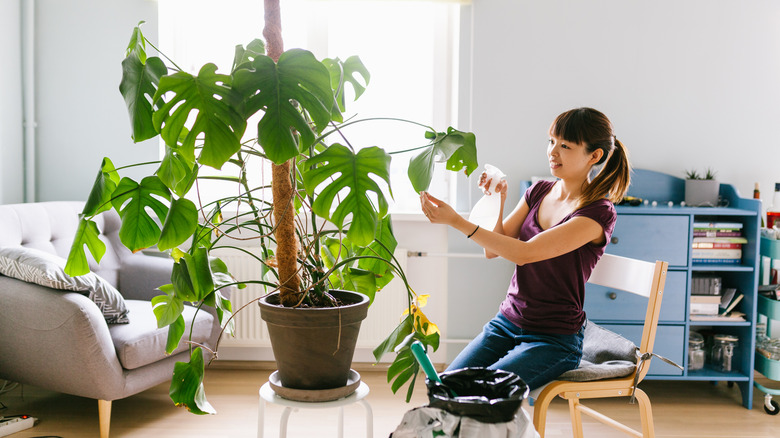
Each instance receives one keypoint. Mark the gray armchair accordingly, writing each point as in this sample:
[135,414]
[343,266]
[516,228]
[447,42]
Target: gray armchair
[59,340]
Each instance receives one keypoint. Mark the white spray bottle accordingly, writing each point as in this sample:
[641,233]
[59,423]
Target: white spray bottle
[486,210]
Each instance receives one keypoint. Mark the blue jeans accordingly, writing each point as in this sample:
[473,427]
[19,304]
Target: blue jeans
[536,357]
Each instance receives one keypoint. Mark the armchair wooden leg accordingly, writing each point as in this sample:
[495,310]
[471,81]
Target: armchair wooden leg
[104,413]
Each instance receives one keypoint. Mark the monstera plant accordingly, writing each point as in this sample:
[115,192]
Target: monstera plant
[326,224]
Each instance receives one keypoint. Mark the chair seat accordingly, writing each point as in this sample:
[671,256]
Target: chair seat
[141,343]
[605,355]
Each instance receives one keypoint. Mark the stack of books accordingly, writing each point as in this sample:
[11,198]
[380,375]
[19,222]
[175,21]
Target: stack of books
[717,242]
[717,307]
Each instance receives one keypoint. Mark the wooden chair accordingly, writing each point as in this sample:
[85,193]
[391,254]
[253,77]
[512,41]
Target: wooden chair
[638,277]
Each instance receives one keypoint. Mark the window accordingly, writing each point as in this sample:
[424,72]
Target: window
[413,43]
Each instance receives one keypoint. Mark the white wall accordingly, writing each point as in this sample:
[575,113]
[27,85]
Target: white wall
[11,138]
[687,84]
[80,112]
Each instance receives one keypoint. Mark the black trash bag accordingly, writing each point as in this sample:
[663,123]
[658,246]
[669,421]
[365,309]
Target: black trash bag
[489,396]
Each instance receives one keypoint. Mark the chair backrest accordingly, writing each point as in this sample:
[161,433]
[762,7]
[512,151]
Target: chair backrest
[637,277]
[51,227]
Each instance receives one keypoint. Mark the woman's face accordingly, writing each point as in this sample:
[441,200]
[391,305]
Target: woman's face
[568,159]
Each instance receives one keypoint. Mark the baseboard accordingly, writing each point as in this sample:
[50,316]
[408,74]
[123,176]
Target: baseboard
[263,365]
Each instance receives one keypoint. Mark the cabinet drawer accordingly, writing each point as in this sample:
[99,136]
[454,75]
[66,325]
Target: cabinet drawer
[606,304]
[651,238]
[668,343]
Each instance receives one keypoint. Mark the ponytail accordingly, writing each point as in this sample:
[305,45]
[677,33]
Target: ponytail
[612,181]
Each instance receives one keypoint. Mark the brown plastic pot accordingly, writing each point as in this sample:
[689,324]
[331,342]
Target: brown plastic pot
[313,347]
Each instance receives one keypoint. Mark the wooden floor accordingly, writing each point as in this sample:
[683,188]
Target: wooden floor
[681,409]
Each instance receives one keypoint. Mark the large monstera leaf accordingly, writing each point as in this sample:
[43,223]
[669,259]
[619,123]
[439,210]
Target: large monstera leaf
[382,246]
[242,56]
[138,86]
[458,148]
[276,88]
[361,270]
[177,171]
[187,385]
[338,169]
[346,72]
[140,77]
[219,118]
[99,199]
[180,224]
[132,200]
[89,235]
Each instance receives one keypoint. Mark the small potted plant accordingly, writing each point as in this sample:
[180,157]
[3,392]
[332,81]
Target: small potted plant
[701,190]
[324,230]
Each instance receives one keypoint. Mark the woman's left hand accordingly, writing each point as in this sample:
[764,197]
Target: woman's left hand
[436,210]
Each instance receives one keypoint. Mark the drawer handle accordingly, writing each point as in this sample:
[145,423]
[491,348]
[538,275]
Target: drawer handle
[614,240]
[612,295]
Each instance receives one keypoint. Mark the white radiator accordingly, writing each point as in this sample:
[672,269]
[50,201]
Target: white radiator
[250,328]
[251,340]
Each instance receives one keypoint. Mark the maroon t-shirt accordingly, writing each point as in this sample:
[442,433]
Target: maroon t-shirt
[548,296]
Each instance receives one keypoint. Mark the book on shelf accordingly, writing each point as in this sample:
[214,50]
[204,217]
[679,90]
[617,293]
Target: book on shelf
[718,242]
[728,297]
[733,316]
[704,308]
[723,311]
[716,253]
[736,239]
[716,233]
[722,225]
[715,245]
[706,299]
[718,261]
[706,285]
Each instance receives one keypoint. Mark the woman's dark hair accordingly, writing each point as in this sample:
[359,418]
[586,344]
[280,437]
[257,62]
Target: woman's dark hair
[593,129]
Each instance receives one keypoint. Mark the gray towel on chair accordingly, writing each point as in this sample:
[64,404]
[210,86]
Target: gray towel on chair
[605,355]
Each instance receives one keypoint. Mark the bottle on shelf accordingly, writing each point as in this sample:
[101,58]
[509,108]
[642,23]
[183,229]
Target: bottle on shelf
[756,192]
[773,212]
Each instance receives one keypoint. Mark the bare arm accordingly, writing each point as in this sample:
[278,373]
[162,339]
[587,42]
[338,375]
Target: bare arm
[502,242]
[548,244]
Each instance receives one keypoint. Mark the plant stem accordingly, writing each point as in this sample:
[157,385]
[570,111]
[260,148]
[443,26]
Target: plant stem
[136,164]
[282,186]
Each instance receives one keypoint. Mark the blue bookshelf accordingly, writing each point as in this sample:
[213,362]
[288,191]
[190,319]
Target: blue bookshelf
[664,232]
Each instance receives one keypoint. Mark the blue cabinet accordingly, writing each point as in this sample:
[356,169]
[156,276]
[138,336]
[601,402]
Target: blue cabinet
[652,237]
[665,233]
[603,304]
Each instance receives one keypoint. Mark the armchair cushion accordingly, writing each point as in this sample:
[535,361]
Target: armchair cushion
[141,342]
[45,269]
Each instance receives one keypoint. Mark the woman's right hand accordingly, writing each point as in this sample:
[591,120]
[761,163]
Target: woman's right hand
[436,210]
[501,187]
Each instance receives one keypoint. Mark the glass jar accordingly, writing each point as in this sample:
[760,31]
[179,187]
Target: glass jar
[723,349]
[695,351]
[769,348]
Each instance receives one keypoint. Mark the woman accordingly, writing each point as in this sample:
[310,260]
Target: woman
[555,236]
